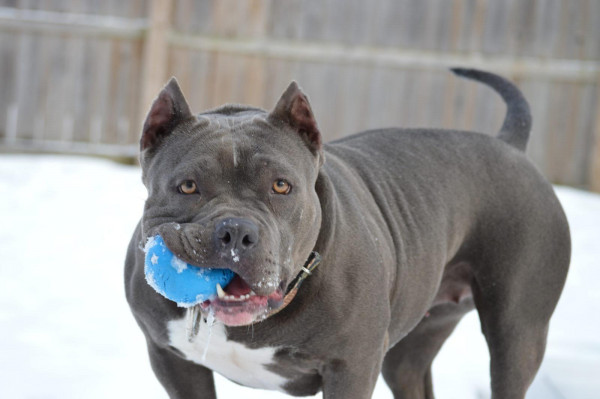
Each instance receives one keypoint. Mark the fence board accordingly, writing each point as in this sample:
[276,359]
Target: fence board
[523,32]
[25,85]
[592,49]
[78,74]
[99,94]
[578,165]
[539,100]
[594,165]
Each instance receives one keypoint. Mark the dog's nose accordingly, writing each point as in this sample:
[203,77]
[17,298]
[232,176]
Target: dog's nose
[236,234]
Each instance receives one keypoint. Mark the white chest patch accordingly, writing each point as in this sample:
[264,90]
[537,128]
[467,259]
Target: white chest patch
[234,361]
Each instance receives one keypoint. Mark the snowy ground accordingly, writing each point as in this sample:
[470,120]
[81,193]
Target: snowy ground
[66,331]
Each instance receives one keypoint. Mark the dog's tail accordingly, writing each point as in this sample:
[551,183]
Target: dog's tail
[517,123]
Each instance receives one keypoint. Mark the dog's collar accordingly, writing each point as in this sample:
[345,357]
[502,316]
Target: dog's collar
[311,264]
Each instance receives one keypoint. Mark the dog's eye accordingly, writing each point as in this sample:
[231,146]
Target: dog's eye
[281,186]
[188,187]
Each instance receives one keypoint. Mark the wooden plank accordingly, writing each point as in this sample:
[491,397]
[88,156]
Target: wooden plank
[433,113]
[574,137]
[399,99]
[43,76]
[456,43]
[523,32]
[566,136]
[312,20]
[572,29]
[546,28]
[122,112]
[26,79]
[254,81]
[469,94]
[416,91]
[255,19]
[9,87]
[226,85]
[559,122]
[228,17]
[42,21]
[199,93]
[470,25]
[413,15]
[54,100]
[156,51]
[584,118]
[99,93]
[595,164]
[539,101]
[441,31]
[7,55]
[78,88]
[135,114]
[329,53]
[280,73]
[283,20]
[63,147]
[351,99]
[591,47]
[498,25]
[112,112]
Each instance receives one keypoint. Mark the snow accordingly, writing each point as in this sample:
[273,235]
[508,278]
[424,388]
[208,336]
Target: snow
[234,255]
[178,264]
[66,330]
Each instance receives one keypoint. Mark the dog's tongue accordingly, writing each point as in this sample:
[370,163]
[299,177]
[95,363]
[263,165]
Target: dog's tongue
[237,287]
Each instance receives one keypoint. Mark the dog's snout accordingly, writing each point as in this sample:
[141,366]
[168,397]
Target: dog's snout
[236,234]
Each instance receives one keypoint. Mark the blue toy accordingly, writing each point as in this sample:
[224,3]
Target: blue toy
[177,280]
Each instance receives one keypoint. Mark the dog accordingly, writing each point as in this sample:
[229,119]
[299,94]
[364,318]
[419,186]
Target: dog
[352,258]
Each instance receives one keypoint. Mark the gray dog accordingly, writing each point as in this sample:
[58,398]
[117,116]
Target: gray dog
[413,228]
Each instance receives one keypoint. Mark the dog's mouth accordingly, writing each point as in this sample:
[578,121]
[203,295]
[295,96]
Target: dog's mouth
[237,305]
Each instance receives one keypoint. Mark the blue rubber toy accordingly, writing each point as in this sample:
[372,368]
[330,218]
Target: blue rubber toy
[177,280]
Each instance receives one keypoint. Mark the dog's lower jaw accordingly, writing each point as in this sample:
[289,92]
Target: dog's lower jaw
[241,311]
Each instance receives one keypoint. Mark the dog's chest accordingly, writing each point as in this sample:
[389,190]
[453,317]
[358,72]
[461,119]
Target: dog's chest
[234,361]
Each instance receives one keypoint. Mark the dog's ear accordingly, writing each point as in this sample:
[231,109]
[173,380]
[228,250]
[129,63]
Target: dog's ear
[294,110]
[167,110]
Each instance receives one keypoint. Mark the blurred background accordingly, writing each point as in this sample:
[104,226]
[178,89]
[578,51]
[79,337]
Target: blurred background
[79,75]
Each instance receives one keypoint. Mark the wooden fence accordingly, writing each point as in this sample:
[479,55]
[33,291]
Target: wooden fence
[78,75]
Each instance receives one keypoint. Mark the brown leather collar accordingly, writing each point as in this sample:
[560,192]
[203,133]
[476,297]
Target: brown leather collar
[311,264]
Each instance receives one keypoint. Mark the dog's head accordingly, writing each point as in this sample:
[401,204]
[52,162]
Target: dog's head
[234,188]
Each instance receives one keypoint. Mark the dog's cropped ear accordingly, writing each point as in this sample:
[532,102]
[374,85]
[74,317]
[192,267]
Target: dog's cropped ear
[294,110]
[166,112]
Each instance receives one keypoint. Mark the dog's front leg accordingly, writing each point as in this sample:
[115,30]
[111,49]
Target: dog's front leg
[181,379]
[351,379]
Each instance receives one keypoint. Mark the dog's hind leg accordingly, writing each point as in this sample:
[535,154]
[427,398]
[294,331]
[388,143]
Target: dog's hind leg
[407,366]
[515,330]
[516,288]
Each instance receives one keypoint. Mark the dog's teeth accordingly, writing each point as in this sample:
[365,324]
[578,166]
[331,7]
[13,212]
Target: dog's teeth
[252,293]
[220,291]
